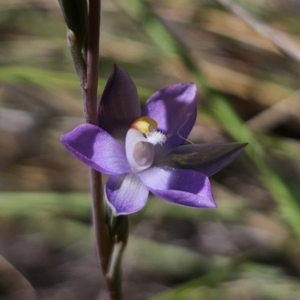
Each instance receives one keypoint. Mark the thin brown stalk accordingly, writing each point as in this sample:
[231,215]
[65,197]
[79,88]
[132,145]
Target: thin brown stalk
[86,64]
[89,92]
[90,100]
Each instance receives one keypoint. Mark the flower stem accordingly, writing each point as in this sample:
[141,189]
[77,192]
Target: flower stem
[91,85]
[91,116]
[119,227]
[109,243]
[89,92]
[113,275]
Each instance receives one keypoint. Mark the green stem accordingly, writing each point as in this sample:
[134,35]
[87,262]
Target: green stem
[113,275]
[119,230]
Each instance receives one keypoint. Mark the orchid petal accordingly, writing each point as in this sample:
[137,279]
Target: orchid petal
[183,187]
[174,109]
[126,194]
[205,158]
[96,148]
[119,104]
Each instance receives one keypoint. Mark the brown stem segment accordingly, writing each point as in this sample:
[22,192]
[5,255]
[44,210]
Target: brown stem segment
[89,92]
[109,252]
[91,116]
[91,85]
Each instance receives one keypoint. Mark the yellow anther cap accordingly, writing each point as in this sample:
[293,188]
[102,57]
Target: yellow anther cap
[144,124]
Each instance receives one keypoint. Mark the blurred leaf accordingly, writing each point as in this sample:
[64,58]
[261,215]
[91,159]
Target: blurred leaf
[289,148]
[51,79]
[165,259]
[12,281]
[256,281]
[77,205]
[261,271]
[203,288]
[164,39]
[287,203]
[31,204]
[55,215]
[227,210]
[39,77]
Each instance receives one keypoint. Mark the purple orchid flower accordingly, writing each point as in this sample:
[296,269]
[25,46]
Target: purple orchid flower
[142,151]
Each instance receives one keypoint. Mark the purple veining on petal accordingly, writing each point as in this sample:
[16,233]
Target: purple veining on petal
[183,187]
[119,104]
[96,148]
[126,194]
[205,158]
[174,109]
